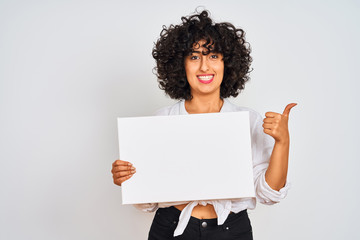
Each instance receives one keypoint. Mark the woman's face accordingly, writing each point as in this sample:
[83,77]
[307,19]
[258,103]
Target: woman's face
[204,72]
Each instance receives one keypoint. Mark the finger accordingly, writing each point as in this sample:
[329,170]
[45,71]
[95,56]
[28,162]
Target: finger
[118,165]
[119,181]
[267,131]
[288,108]
[121,163]
[123,168]
[268,125]
[123,179]
[271,114]
[121,174]
[268,120]
[124,173]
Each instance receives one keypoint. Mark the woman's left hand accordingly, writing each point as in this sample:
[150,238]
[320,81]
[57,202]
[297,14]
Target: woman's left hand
[276,124]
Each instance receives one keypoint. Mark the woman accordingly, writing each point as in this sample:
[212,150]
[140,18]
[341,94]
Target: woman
[202,63]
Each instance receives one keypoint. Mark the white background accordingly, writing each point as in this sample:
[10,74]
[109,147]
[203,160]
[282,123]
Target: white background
[69,68]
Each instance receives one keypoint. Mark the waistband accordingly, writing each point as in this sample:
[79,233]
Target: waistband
[210,222]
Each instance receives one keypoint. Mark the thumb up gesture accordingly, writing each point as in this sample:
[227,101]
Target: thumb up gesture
[276,124]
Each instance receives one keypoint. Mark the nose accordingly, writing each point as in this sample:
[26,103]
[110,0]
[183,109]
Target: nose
[204,64]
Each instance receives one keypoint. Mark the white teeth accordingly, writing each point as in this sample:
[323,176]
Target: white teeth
[205,78]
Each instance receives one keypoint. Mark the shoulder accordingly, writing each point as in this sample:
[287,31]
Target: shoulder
[169,110]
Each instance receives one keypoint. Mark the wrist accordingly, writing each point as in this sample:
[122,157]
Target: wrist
[283,142]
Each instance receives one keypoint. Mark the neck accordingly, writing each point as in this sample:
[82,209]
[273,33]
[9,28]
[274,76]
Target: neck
[204,104]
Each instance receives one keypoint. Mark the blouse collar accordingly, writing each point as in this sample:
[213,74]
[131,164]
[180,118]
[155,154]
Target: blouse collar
[225,107]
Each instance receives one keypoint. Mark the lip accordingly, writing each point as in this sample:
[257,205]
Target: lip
[207,81]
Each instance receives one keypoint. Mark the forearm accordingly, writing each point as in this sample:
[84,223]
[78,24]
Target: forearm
[276,173]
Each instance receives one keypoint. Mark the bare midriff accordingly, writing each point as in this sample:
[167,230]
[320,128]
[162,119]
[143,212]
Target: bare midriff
[200,212]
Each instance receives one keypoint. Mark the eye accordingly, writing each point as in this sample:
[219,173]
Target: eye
[214,56]
[194,57]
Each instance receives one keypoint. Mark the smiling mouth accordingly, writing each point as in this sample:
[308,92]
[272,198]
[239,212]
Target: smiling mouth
[206,78]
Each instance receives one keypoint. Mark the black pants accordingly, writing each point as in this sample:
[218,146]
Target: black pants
[236,227]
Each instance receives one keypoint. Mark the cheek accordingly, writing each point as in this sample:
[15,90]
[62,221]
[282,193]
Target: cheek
[220,70]
[190,71]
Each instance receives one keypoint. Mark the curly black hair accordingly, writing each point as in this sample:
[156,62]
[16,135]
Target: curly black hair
[177,41]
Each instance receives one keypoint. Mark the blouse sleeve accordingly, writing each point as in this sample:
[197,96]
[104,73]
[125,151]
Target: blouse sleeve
[262,146]
[147,207]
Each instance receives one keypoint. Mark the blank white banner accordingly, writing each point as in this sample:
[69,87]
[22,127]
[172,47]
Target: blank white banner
[187,157]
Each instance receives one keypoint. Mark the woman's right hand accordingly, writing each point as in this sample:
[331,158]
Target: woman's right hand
[122,171]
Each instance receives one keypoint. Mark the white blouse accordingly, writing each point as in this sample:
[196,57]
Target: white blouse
[261,144]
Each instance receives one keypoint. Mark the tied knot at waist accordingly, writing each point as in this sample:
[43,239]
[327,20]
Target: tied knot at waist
[222,212]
